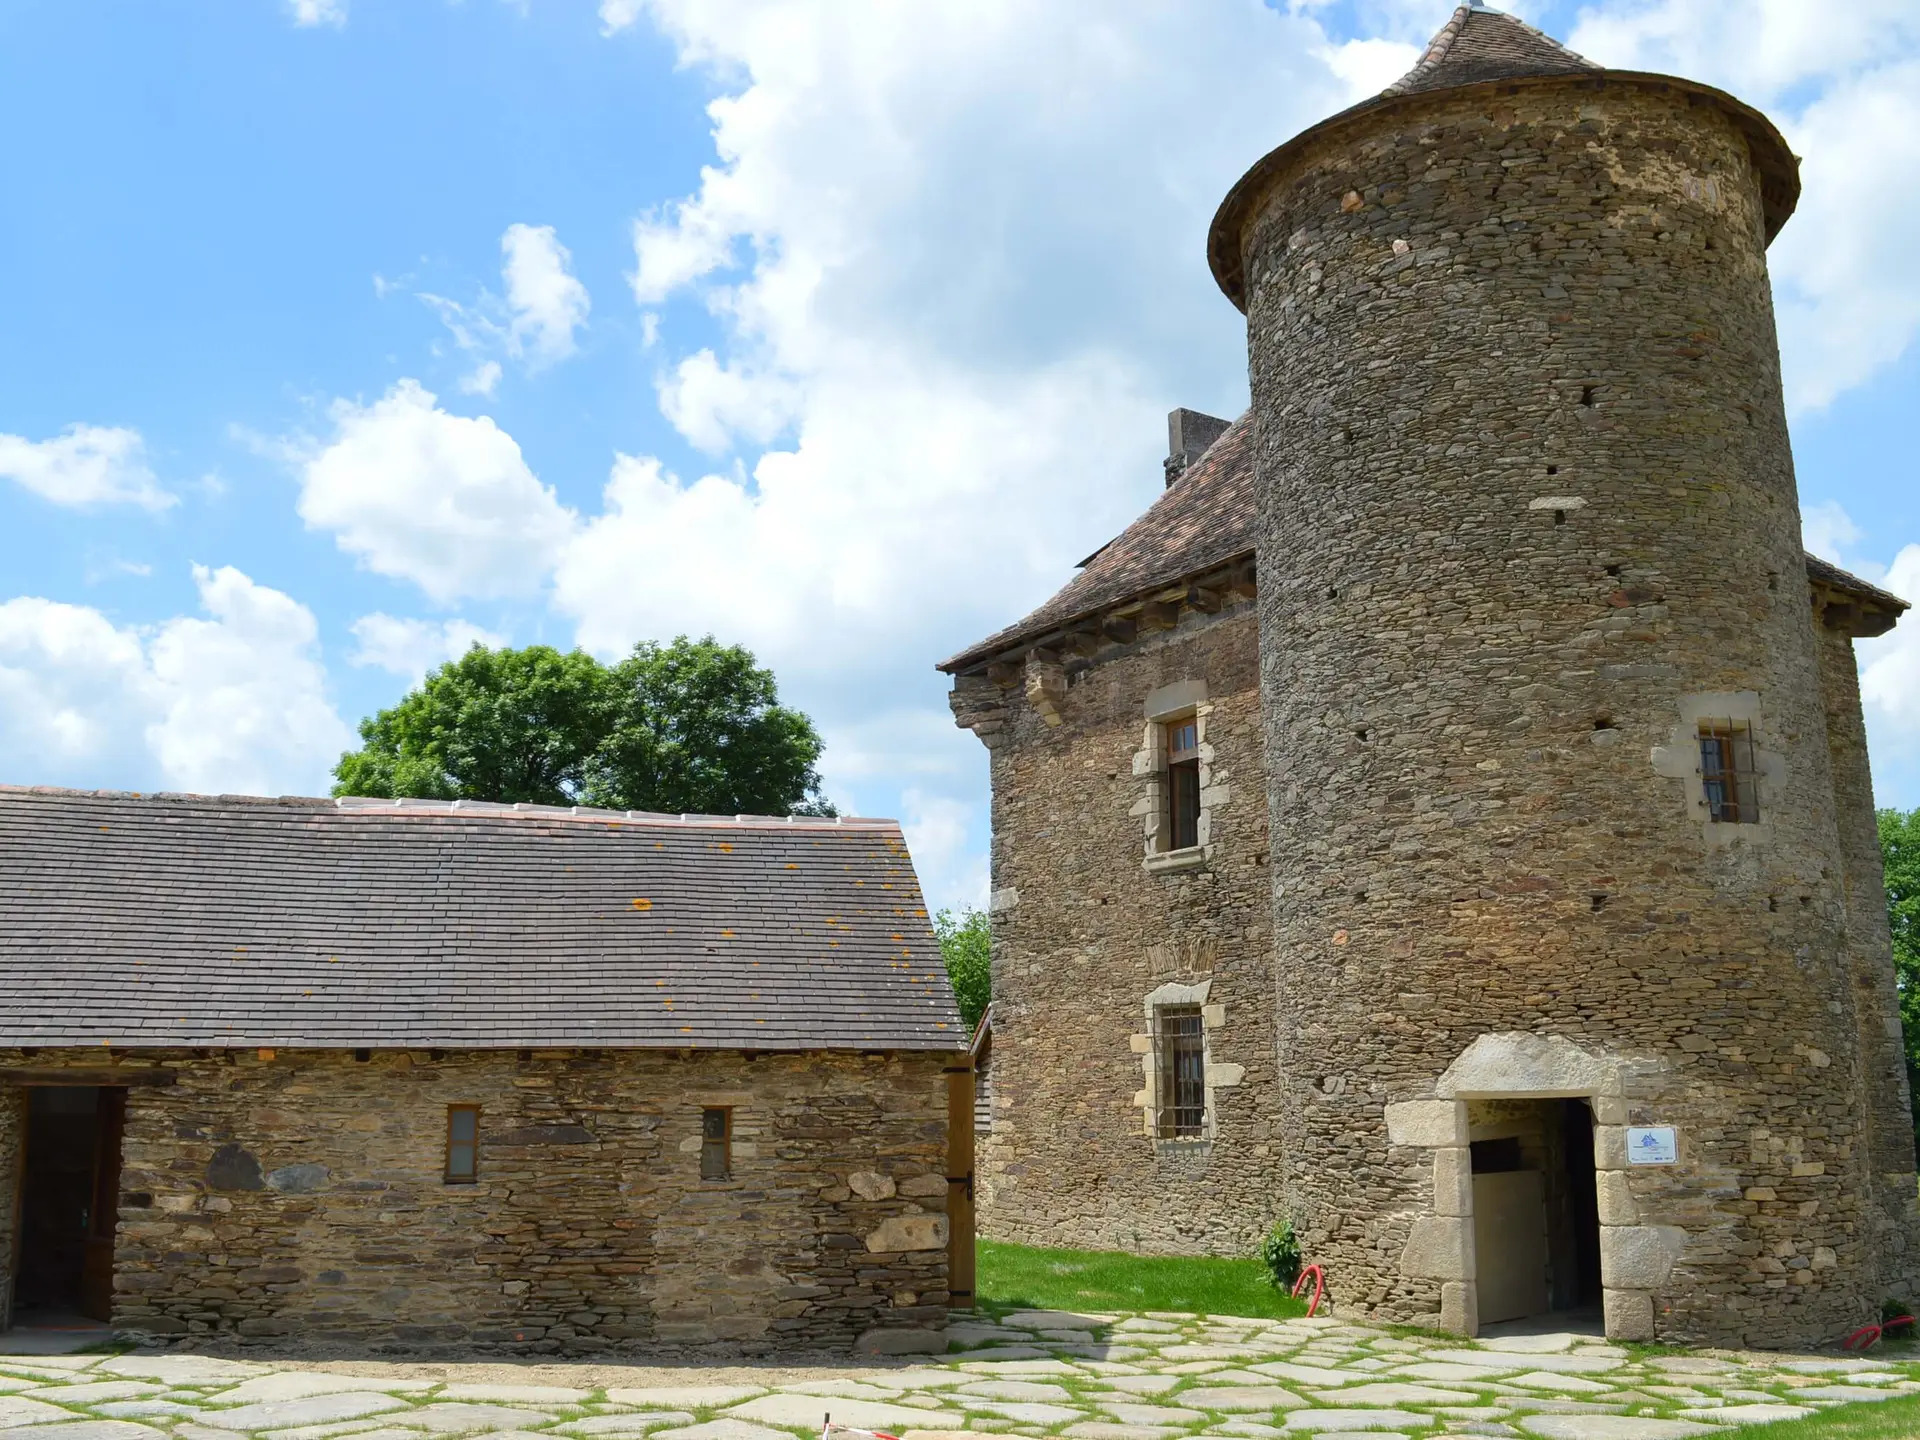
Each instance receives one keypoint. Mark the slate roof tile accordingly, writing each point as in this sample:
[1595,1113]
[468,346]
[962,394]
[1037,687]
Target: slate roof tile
[196,920]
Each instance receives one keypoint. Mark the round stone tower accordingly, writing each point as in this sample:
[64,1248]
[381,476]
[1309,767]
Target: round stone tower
[1569,1010]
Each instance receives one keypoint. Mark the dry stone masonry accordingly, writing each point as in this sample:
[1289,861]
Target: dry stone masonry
[1554,1023]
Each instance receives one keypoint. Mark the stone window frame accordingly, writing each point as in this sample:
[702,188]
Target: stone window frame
[1635,1258]
[1220,1075]
[452,1174]
[1679,759]
[1184,699]
[716,1150]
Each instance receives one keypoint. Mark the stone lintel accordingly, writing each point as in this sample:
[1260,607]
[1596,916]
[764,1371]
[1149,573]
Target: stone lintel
[1518,1065]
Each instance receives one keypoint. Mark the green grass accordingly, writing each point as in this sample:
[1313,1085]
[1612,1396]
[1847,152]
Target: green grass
[1872,1420]
[1022,1277]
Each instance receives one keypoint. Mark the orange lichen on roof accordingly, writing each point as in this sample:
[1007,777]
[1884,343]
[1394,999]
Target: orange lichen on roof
[725,848]
[640,903]
[726,935]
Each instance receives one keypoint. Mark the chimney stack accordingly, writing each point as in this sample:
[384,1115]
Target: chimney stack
[1189,433]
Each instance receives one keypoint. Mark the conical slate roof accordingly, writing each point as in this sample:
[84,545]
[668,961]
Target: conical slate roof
[1477,45]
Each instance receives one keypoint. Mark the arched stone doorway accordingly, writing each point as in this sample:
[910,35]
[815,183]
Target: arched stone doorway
[1523,1078]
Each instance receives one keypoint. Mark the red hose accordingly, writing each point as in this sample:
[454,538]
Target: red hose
[1319,1287]
[1868,1335]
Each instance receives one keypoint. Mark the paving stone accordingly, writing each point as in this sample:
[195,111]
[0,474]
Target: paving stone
[1533,1404]
[1389,1392]
[1564,1364]
[1835,1365]
[1529,1344]
[634,1422]
[299,1384]
[1057,1320]
[1843,1392]
[1194,1367]
[722,1430]
[17,1410]
[1143,1384]
[861,1414]
[1020,1366]
[1565,1384]
[310,1409]
[1175,1415]
[999,1352]
[204,1432]
[180,1369]
[1104,1430]
[92,1391]
[1441,1370]
[84,1430]
[922,1378]
[1016,1390]
[1757,1397]
[966,1332]
[1209,1352]
[1240,1397]
[1611,1427]
[1141,1323]
[1343,1421]
[460,1418]
[1322,1375]
[1750,1414]
[1033,1413]
[527,1394]
[135,1409]
[1688,1365]
[9,1383]
[847,1389]
[681,1397]
[1245,1427]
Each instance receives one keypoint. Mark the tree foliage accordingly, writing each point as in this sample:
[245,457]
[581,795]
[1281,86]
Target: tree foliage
[692,727]
[966,945]
[1900,856]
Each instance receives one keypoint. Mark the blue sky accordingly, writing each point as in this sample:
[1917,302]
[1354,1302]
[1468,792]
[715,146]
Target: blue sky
[336,333]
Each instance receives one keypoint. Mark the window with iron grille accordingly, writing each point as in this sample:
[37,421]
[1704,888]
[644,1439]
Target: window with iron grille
[1729,772]
[1183,784]
[1182,1066]
[716,1144]
[463,1144]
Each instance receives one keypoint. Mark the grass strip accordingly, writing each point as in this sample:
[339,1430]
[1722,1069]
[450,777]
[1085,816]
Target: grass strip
[1867,1420]
[1023,1277]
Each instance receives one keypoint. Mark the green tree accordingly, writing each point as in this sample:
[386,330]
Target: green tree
[691,726]
[698,728]
[966,945]
[1900,855]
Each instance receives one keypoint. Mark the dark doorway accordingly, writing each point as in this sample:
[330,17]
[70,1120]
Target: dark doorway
[69,1202]
[1582,1287]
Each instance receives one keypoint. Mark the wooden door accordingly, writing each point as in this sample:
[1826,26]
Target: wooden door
[1510,1244]
[103,1209]
[960,1264]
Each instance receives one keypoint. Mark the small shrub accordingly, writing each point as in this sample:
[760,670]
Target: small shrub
[1280,1253]
[1891,1310]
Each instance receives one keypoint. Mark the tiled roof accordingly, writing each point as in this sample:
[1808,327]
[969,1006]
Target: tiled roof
[132,920]
[1203,519]
[1208,518]
[1477,45]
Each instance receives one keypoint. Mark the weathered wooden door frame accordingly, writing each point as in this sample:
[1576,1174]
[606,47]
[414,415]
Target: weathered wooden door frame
[960,1165]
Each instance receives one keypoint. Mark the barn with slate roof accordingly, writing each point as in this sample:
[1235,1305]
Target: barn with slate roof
[1443,819]
[416,1074]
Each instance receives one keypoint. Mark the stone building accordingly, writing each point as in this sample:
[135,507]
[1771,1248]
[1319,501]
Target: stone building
[1517,925]
[409,1074]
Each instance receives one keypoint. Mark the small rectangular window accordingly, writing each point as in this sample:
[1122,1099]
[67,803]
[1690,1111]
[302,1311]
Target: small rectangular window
[1182,1056]
[1183,784]
[716,1144]
[463,1144]
[1729,772]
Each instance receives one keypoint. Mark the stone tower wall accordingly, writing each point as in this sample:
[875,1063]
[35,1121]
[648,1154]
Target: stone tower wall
[1884,1099]
[1529,516]
[1084,935]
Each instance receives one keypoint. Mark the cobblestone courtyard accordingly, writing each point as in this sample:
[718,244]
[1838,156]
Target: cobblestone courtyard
[1032,1373]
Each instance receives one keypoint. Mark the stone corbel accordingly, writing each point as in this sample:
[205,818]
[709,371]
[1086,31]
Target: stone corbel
[1046,686]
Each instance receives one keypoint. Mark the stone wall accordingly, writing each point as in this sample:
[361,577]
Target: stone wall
[302,1194]
[1883,1072]
[13,1136]
[1085,932]
[1528,515]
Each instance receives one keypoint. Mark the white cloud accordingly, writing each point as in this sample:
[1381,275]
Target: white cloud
[1890,665]
[85,467]
[1827,530]
[413,647]
[307,13]
[1843,83]
[484,380]
[547,304]
[440,500]
[232,702]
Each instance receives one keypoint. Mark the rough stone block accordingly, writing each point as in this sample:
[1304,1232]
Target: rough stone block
[1440,1247]
[1453,1184]
[1629,1314]
[909,1232]
[1617,1205]
[1639,1257]
[1460,1307]
[1609,1147]
[1427,1122]
[870,1186]
[1518,1064]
